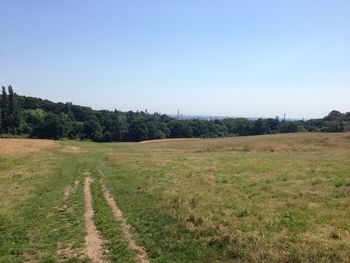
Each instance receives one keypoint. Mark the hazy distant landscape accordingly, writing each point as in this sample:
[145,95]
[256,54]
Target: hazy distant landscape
[39,118]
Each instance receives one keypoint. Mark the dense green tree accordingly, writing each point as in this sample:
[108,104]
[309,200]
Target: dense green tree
[45,119]
[163,127]
[315,125]
[334,115]
[50,128]
[4,109]
[260,126]
[335,122]
[288,126]
[97,136]
[154,131]
[33,118]
[67,123]
[180,129]
[199,128]
[165,118]
[13,114]
[107,137]
[119,126]
[11,100]
[77,130]
[273,125]
[334,126]
[347,116]
[53,126]
[239,126]
[137,130]
[92,128]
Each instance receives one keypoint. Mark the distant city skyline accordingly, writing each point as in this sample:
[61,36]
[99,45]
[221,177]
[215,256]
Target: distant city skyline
[177,112]
[221,58]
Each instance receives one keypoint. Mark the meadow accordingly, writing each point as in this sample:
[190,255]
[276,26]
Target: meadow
[269,198]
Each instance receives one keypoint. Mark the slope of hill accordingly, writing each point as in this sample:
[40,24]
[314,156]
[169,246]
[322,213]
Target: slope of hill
[270,198]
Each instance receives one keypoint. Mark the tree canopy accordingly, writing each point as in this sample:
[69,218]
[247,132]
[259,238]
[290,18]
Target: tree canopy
[39,118]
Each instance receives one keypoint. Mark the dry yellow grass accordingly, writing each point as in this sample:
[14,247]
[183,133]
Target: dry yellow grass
[270,198]
[17,168]
[168,140]
[73,149]
[24,146]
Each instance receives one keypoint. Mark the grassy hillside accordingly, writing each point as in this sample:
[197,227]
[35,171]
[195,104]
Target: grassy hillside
[271,198]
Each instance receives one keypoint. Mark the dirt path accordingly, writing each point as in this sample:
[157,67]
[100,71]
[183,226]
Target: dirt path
[93,240]
[126,228]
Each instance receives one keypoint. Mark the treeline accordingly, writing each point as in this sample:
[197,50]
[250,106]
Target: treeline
[38,118]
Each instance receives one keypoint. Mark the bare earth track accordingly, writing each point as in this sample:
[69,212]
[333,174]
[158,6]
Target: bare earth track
[93,240]
[118,214]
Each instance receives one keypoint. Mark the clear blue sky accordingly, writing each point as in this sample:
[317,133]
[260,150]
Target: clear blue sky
[241,58]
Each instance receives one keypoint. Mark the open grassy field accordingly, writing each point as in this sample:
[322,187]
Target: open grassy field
[273,198]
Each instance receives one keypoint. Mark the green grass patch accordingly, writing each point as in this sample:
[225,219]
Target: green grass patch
[110,228]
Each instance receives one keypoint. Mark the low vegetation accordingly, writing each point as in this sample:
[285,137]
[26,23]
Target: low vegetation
[271,198]
[38,223]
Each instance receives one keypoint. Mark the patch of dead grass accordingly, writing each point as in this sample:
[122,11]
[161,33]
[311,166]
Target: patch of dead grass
[73,149]
[24,146]
[266,196]
[167,140]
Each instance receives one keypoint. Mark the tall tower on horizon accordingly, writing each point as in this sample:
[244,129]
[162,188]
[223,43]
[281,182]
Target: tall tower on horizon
[178,113]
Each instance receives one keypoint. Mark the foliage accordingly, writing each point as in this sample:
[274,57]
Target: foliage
[40,118]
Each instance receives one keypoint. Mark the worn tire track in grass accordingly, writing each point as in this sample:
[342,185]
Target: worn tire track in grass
[126,228]
[70,190]
[93,240]
[67,250]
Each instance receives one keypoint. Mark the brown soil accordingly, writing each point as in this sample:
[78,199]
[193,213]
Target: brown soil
[93,240]
[126,228]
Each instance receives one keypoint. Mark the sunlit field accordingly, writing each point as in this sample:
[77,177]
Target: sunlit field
[271,198]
